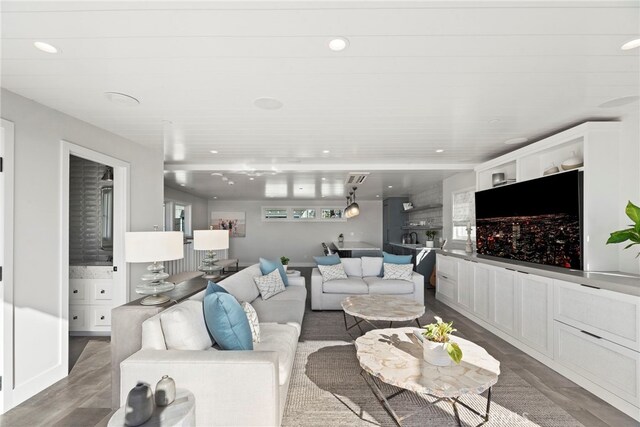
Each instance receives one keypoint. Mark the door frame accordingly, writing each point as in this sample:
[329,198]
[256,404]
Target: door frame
[121,174]
[6,259]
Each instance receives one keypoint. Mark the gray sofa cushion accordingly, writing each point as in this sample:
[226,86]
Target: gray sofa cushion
[291,293]
[352,266]
[378,285]
[241,284]
[283,339]
[350,285]
[278,311]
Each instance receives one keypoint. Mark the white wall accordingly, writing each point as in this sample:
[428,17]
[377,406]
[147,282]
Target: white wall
[298,241]
[37,264]
[629,183]
[199,206]
[456,182]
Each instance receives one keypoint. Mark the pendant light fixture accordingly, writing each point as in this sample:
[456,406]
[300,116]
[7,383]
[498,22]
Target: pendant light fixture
[354,207]
[347,210]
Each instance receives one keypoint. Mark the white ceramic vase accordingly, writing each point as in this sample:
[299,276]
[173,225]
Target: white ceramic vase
[435,354]
[165,391]
[429,243]
[139,405]
[285,267]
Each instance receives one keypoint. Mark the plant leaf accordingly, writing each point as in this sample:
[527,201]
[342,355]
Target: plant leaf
[454,351]
[633,212]
[631,244]
[620,236]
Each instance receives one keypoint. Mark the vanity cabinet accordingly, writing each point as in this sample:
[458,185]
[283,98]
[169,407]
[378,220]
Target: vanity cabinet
[90,299]
[588,334]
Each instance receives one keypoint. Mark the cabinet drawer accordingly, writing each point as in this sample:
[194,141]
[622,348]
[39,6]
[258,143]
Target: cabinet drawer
[102,291]
[611,366]
[77,319]
[447,268]
[446,288]
[592,309]
[76,290]
[102,317]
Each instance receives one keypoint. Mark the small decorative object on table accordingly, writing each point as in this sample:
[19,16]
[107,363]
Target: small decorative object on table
[469,246]
[285,262]
[165,391]
[437,349]
[431,235]
[341,238]
[139,405]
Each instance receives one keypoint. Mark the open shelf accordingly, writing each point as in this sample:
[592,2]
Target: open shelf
[424,208]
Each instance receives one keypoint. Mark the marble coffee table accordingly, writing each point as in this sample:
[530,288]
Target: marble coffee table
[368,308]
[394,356]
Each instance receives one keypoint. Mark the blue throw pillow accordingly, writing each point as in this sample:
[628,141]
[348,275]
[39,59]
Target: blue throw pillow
[327,260]
[214,287]
[267,266]
[227,322]
[396,259]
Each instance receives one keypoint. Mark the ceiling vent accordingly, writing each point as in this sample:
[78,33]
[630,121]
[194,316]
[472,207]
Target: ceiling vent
[356,178]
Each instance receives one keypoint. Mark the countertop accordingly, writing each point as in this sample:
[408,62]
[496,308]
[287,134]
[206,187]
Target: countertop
[616,281]
[356,246]
[416,246]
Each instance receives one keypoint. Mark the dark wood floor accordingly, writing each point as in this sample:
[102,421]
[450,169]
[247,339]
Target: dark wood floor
[83,398]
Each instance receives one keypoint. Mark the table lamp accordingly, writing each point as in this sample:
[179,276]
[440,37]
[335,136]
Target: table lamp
[210,240]
[154,247]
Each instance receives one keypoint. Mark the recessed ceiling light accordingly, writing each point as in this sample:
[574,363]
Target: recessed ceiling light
[251,178]
[325,151]
[619,102]
[224,178]
[45,47]
[213,151]
[390,186]
[324,179]
[230,182]
[182,185]
[632,44]
[513,141]
[215,197]
[377,195]
[338,44]
[216,174]
[121,98]
[493,121]
[439,150]
[268,103]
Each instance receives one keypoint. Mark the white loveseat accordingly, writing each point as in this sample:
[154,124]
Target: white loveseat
[231,388]
[363,277]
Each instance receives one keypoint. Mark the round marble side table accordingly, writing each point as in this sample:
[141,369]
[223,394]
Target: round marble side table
[394,356]
[180,413]
[375,307]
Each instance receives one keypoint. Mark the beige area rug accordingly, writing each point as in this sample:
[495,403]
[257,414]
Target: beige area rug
[327,390]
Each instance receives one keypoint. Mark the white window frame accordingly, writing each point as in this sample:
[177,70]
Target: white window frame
[169,213]
[459,232]
[290,217]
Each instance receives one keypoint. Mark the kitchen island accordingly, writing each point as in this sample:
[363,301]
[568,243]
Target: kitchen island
[423,258]
[355,249]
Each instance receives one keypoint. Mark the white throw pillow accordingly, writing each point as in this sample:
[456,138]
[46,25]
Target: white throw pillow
[184,327]
[371,266]
[254,324]
[352,266]
[397,271]
[270,284]
[332,272]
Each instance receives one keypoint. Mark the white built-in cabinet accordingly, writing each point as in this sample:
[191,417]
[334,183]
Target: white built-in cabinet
[590,335]
[597,144]
[90,299]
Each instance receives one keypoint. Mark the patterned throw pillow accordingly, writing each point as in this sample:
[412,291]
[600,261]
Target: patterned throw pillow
[332,272]
[269,284]
[252,317]
[397,271]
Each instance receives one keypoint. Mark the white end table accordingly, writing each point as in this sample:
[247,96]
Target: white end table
[293,273]
[181,413]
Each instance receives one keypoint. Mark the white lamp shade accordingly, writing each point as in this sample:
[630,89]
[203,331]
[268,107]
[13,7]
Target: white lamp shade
[210,240]
[151,246]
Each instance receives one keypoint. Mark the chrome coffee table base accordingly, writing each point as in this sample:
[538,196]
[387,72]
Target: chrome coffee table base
[359,320]
[455,401]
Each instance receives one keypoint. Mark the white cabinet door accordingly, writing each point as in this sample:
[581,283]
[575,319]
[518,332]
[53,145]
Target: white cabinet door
[503,300]
[465,284]
[482,278]
[535,312]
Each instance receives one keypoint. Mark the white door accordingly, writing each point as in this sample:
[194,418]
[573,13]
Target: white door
[6,263]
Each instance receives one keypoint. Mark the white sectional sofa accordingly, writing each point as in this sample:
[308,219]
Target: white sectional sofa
[363,277]
[231,388]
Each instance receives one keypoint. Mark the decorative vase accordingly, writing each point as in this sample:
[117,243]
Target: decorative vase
[285,267]
[435,354]
[139,405]
[340,239]
[429,244]
[165,391]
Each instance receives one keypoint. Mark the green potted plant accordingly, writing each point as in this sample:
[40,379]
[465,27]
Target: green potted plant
[285,262]
[437,347]
[431,235]
[340,238]
[633,233]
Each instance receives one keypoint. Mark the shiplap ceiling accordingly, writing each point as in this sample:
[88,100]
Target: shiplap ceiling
[417,76]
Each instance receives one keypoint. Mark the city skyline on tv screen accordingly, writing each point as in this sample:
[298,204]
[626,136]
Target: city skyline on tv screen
[535,221]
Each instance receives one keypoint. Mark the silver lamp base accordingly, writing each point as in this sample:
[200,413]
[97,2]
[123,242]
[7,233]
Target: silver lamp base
[155,300]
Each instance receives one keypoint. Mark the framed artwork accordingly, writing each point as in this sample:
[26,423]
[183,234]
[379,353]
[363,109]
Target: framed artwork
[235,222]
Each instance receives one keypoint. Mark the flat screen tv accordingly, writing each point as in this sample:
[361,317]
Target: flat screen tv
[537,221]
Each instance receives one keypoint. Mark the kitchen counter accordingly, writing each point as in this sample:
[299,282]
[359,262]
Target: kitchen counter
[616,281]
[414,246]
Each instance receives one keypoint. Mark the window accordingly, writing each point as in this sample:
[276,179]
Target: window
[302,214]
[177,217]
[464,210]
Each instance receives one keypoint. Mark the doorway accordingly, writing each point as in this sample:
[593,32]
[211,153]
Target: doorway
[95,218]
